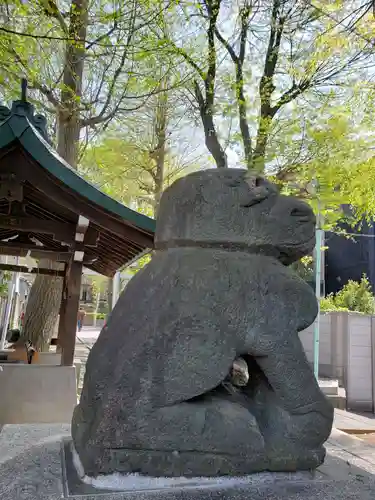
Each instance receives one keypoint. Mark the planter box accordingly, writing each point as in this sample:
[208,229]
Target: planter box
[89,321]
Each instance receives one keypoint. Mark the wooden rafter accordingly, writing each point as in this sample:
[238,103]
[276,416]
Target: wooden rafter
[68,200]
[60,231]
[37,253]
[34,270]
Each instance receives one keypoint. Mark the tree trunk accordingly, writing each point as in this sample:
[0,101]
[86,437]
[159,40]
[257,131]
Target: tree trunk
[160,130]
[212,141]
[259,155]
[211,138]
[267,87]
[42,309]
[45,295]
[69,116]
[207,102]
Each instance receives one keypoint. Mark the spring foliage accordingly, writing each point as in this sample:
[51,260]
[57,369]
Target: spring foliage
[354,296]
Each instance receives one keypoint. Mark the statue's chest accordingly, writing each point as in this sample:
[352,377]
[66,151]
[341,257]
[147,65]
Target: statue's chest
[297,297]
[281,291]
[298,287]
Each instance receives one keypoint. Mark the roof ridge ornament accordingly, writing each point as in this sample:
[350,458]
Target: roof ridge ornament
[23,108]
[23,89]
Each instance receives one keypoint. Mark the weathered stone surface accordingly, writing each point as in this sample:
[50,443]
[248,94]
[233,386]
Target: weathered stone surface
[216,288]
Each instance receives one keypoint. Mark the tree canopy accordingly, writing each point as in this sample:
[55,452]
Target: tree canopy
[283,87]
[138,93]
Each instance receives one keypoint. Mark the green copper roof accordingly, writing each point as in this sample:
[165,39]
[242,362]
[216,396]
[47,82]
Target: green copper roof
[20,123]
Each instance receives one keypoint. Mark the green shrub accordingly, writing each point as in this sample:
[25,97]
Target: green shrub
[353,296]
[304,268]
[98,315]
[327,304]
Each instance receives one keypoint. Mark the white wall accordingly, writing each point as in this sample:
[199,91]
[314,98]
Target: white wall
[347,352]
[307,339]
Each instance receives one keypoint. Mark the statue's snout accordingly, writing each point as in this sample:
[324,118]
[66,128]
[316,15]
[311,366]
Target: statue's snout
[302,212]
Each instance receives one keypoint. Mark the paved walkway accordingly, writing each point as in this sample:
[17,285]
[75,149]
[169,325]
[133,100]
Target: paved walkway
[84,342]
[347,456]
[354,423]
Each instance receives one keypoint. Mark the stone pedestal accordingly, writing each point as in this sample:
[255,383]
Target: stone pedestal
[34,466]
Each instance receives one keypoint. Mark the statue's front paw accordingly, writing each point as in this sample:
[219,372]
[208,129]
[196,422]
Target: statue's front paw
[290,459]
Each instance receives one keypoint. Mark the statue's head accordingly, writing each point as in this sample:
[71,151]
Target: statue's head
[233,206]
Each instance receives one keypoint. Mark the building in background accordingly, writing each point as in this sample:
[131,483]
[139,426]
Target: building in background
[94,294]
[350,258]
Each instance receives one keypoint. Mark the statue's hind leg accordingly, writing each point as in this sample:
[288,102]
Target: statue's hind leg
[293,415]
[211,436]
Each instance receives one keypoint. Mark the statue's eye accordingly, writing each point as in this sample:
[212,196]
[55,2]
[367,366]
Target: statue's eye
[233,181]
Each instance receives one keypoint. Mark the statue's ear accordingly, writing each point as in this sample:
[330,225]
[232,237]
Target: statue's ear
[259,189]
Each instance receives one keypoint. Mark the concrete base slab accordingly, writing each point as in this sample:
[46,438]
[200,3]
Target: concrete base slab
[32,467]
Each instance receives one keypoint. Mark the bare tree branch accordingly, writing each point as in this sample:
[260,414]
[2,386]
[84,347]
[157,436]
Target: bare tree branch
[206,102]
[34,84]
[190,61]
[266,85]
[50,9]
[48,93]
[95,120]
[238,61]
[103,36]
[291,94]
[118,71]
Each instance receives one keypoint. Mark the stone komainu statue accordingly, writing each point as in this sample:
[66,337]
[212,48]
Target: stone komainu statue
[218,287]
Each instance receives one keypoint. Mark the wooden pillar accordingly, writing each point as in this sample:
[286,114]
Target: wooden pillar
[61,329]
[69,312]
